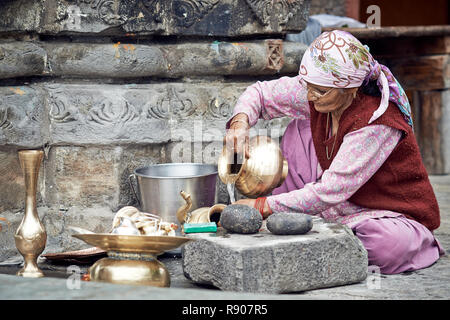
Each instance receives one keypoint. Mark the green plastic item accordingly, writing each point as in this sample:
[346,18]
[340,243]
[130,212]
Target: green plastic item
[200,227]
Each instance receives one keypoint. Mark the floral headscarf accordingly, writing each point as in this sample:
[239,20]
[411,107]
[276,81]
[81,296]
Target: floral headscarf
[337,59]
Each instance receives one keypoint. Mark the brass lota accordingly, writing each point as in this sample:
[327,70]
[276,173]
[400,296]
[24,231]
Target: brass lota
[264,170]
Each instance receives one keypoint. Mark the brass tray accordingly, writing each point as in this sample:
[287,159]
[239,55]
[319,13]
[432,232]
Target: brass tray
[78,256]
[132,244]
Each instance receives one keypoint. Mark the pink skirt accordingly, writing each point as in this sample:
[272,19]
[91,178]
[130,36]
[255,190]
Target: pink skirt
[398,244]
[394,244]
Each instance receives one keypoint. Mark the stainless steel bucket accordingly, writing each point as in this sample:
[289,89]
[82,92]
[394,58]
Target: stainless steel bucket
[159,187]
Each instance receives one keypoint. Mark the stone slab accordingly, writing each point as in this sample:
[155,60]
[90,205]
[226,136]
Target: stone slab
[95,114]
[23,120]
[87,176]
[195,58]
[329,255]
[104,114]
[133,60]
[161,17]
[21,59]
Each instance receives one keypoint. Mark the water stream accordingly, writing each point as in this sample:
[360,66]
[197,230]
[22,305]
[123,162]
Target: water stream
[230,188]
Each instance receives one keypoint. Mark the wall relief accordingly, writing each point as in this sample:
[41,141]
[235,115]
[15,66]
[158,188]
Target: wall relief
[108,113]
[184,12]
[280,10]
[5,124]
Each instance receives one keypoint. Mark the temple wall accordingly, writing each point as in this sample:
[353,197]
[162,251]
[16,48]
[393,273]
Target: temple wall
[105,87]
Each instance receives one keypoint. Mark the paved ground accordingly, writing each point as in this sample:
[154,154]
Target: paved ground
[429,283]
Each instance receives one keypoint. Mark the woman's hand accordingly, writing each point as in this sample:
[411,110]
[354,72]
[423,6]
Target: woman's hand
[237,137]
[251,203]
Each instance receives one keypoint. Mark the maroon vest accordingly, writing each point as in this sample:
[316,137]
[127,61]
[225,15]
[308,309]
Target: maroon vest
[401,184]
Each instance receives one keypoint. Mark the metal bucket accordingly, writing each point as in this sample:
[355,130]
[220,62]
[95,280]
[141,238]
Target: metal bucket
[159,187]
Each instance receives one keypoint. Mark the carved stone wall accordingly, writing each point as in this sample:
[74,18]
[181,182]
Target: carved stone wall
[108,86]
[161,17]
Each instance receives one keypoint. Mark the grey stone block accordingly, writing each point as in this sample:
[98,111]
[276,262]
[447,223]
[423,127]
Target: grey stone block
[21,59]
[128,60]
[196,58]
[23,120]
[329,255]
[161,17]
[153,113]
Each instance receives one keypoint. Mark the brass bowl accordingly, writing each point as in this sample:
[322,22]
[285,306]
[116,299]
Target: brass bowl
[155,245]
[148,272]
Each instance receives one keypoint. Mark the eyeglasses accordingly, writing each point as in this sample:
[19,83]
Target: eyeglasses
[317,93]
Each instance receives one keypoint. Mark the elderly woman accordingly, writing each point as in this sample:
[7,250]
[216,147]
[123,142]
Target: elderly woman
[353,157]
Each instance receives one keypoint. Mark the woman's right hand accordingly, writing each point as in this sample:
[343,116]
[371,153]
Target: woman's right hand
[237,136]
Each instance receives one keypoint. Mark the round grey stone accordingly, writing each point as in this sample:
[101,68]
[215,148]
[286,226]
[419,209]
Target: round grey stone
[239,218]
[289,223]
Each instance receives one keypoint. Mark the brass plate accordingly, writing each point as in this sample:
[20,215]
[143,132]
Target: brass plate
[79,256]
[133,244]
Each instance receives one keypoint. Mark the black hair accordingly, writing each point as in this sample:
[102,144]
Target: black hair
[371,89]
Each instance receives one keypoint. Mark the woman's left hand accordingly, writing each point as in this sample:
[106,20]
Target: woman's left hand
[251,203]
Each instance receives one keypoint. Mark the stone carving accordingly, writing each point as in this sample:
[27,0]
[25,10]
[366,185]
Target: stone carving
[36,114]
[107,113]
[282,10]
[186,12]
[181,106]
[58,112]
[275,58]
[171,104]
[107,10]
[154,8]
[160,110]
[5,124]
[217,110]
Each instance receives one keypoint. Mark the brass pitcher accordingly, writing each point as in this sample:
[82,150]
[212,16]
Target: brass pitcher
[264,170]
[200,215]
[30,237]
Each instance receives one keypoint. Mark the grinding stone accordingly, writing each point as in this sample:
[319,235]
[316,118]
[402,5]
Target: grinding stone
[289,223]
[239,218]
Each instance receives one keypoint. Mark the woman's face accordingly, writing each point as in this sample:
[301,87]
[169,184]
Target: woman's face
[328,99]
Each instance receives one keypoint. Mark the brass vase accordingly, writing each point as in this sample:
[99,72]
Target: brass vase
[30,237]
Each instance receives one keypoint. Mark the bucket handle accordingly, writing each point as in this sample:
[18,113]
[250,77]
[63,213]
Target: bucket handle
[132,187]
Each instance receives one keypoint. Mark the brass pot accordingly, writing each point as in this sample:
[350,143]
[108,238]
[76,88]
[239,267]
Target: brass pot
[264,170]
